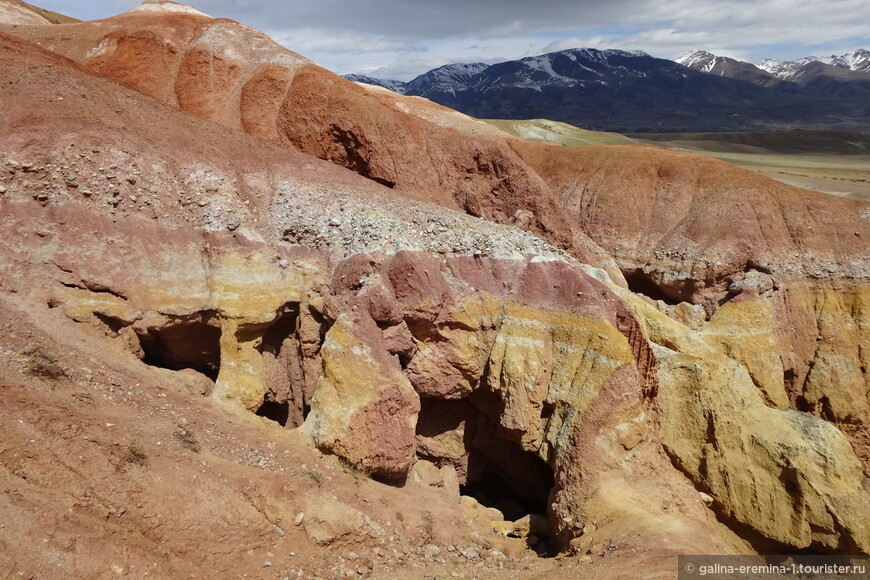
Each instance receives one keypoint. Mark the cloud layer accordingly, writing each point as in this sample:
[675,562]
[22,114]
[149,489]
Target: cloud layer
[403,38]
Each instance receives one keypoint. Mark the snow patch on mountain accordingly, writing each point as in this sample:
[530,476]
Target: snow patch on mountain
[449,78]
[538,71]
[856,61]
[783,70]
[603,56]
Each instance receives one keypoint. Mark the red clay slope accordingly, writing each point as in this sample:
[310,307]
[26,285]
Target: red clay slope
[688,223]
[679,223]
[238,77]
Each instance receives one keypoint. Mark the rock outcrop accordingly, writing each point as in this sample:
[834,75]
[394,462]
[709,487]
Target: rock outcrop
[760,464]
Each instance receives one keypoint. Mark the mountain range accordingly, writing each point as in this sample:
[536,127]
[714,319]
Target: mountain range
[615,90]
[858,61]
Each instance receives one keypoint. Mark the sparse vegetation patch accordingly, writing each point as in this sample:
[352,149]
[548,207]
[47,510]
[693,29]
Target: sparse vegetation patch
[43,363]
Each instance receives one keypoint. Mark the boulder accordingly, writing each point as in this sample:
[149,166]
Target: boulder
[364,410]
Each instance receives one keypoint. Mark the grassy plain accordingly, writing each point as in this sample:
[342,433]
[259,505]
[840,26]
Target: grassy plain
[835,163]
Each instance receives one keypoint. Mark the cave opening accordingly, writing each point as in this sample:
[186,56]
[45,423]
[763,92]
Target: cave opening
[284,401]
[188,342]
[493,488]
[491,464]
[275,411]
[640,282]
[283,328]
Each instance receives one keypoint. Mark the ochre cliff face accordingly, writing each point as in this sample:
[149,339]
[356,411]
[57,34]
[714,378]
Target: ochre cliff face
[536,360]
[723,427]
[538,371]
[685,365]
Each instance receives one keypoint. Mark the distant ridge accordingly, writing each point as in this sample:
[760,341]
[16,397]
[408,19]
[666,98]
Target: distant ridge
[858,61]
[395,86]
[631,91]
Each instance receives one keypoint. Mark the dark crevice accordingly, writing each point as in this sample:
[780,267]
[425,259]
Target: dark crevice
[801,404]
[547,410]
[789,479]
[727,298]
[826,411]
[491,490]
[420,328]
[398,483]
[114,324]
[494,482]
[487,403]
[284,398]
[281,329]
[385,182]
[404,360]
[496,487]
[95,288]
[753,265]
[324,323]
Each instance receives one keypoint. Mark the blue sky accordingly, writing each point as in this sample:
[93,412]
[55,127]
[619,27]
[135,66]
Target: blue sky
[403,38]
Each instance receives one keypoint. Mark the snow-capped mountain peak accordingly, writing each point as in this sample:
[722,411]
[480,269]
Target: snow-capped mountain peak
[697,59]
[769,64]
[858,61]
[782,70]
[448,79]
[597,55]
